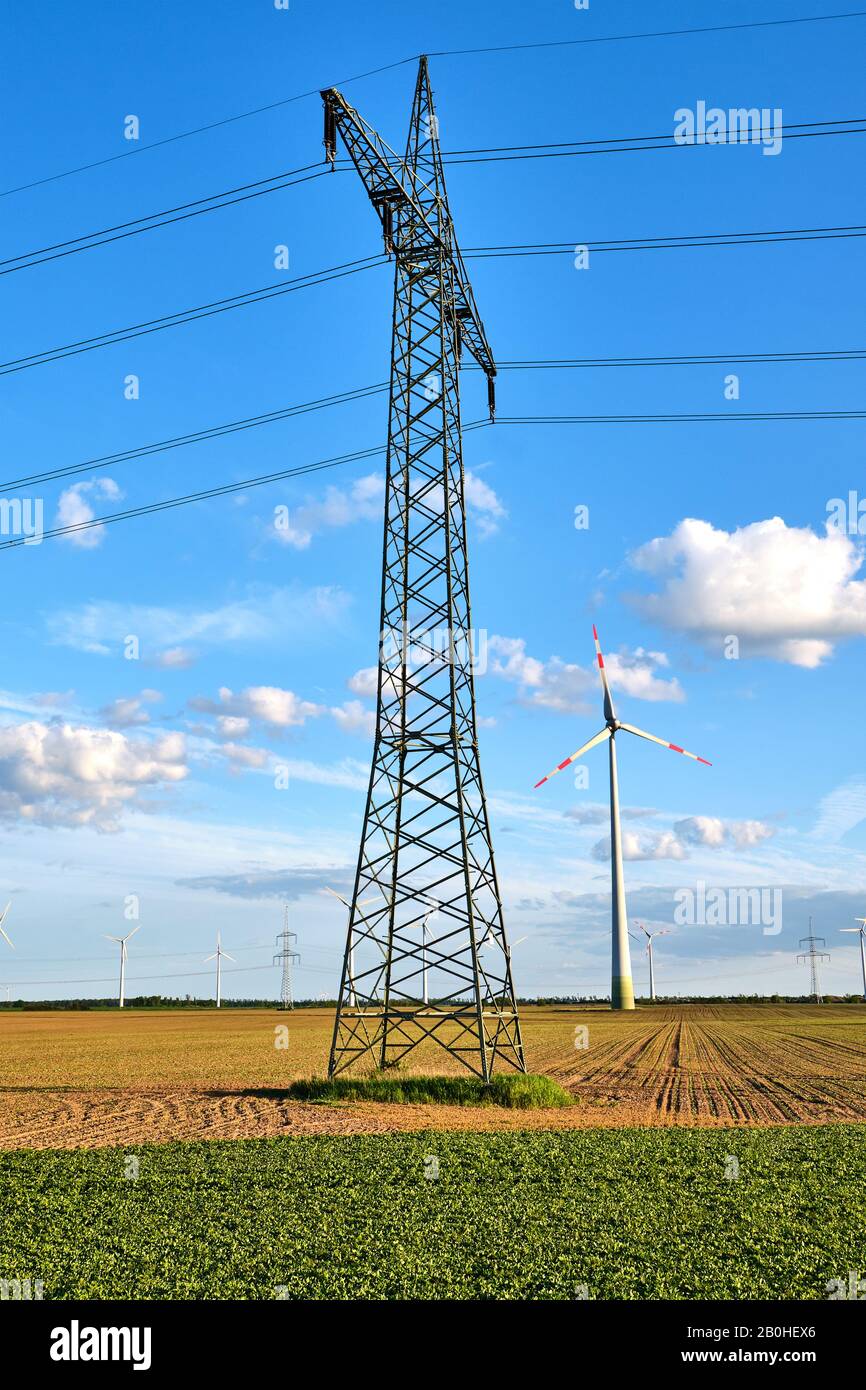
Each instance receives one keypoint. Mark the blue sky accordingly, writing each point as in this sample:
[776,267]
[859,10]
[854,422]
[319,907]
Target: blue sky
[139,777]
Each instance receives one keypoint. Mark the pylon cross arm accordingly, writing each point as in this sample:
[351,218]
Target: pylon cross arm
[389,189]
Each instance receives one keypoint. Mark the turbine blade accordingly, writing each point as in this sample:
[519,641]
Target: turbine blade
[12,943]
[674,747]
[118,939]
[9,904]
[228,957]
[207,958]
[853,929]
[132,933]
[608,702]
[599,738]
[336,895]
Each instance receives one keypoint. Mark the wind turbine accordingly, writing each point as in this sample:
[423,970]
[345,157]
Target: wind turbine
[218,957]
[122,940]
[649,950]
[621,987]
[3,915]
[348,907]
[861,932]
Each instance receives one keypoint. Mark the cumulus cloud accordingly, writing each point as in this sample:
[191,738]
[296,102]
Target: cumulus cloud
[664,845]
[241,755]
[708,832]
[74,509]
[124,713]
[783,591]
[714,833]
[573,689]
[174,659]
[484,503]
[365,681]
[281,709]
[362,501]
[354,718]
[65,775]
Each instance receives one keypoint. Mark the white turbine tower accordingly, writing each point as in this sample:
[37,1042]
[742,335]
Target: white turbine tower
[3,915]
[621,987]
[122,940]
[348,907]
[649,950]
[861,932]
[218,956]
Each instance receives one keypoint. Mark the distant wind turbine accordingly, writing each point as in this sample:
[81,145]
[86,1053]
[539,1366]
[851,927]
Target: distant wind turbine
[3,915]
[621,987]
[218,956]
[649,950]
[121,941]
[861,932]
[348,907]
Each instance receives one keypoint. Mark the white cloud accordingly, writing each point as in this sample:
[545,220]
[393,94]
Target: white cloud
[65,775]
[123,713]
[365,681]
[841,810]
[664,845]
[232,726]
[362,501]
[264,613]
[354,718]
[784,591]
[714,833]
[484,502]
[281,709]
[573,689]
[175,659]
[241,755]
[708,832]
[74,508]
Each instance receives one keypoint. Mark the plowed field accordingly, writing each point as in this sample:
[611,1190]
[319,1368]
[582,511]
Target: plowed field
[94,1079]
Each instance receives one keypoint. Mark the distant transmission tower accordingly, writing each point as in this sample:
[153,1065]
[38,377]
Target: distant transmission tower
[426,834]
[813,955]
[287,957]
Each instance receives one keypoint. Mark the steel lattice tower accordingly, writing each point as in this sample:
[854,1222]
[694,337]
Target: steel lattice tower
[813,955]
[286,956]
[426,916]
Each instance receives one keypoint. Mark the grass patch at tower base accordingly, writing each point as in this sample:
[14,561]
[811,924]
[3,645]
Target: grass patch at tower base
[514,1091]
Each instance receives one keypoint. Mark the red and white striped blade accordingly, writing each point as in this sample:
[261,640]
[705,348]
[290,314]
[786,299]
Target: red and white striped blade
[674,747]
[599,738]
[608,701]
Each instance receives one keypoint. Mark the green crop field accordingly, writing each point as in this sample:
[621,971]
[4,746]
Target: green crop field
[621,1213]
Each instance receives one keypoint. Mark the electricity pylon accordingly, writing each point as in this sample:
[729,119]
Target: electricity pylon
[813,955]
[287,957]
[426,833]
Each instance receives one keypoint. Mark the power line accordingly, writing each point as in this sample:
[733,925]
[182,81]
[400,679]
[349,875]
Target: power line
[378,388]
[217,306]
[196,209]
[227,488]
[196,437]
[319,277]
[401,62]
[200,130]
[289,178]
[653,34]
[740,417]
